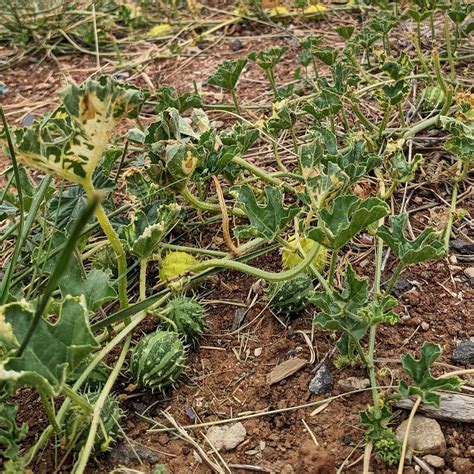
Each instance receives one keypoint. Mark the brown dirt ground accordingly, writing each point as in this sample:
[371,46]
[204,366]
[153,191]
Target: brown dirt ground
[225,377]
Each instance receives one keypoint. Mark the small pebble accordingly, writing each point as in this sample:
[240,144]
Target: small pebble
[425,326]
[463,466]
[236,45]
[434,461]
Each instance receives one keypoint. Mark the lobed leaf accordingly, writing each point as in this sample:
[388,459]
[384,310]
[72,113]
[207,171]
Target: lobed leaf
[70,141]
[427,246]
[347,217]
[53,351]
[266,221]
[425,385]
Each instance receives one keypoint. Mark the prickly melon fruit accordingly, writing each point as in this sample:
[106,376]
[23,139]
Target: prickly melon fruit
[77,424]
[176,263]
[291,258]
[188,316]
[433,98]
[291,296]
[157,360]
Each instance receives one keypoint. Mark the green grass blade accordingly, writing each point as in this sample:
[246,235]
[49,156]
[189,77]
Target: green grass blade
[59,269]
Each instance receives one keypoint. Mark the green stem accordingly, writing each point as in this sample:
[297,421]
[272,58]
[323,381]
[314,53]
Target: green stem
[142,284]
[115,244]
[419,51]
[449,49]
[206,206]
[403,122]
[448,93]
[393,279]
[277,157]
[294,139]
[235,101]
[420,126]
[77,399]
[48,407]
[464,167]
[257,272]
[87,449]
[332,267]
[262,174]
[271,79]
[169,321]
[362,118]
[385,119]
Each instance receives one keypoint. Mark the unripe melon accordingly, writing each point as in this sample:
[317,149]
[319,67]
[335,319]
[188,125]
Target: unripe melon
[291,258]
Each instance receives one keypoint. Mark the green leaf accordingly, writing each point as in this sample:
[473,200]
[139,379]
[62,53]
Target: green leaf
[227,74]
[418,16]
[67,206]
[267,59]
[54,350]
[401,170]
[95,286]
[146,231]
[282,118]
[167,97]
[326,54]
[425,385]
[266,221]
[394,93]
[241,135]
[345,31]
[69,142]
[378,311]
[356,162]
[339,311]
[427,246]
[347,217]
[461,142]
[10,433]
[326,103]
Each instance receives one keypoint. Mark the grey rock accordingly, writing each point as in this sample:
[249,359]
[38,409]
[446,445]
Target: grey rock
[425,436]
[469,272]
[402,285]
[434,461]
[464,352]
[322,381]
[124,454]
[462,246]
[226,437]
[354,383]
[236,45]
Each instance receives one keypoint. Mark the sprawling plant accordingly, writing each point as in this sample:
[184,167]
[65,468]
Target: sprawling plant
[328,186]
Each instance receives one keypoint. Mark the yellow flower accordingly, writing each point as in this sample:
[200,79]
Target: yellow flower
[161,29]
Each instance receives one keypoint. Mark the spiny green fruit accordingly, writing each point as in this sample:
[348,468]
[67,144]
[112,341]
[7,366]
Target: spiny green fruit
[188,316]
[291,296]
[77,424]
[176,263]
[157,360]
[433,98]
[96,379]
[291,257]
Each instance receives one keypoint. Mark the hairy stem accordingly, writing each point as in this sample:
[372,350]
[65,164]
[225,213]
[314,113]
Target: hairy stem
[99,404]
[115,244]
[257,272]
